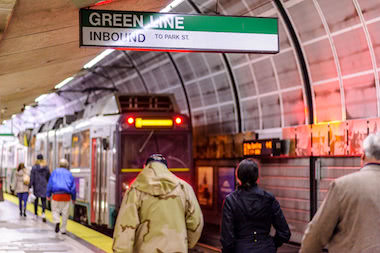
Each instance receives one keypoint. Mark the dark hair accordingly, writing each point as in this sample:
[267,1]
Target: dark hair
[157,158]
[40,157]
[247,172]
[20,166]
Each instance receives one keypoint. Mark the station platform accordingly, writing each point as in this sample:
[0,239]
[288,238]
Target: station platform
[210,242]
[27,235]
[20,234]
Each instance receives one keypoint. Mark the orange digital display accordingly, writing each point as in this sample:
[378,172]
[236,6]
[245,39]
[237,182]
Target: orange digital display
[262,148]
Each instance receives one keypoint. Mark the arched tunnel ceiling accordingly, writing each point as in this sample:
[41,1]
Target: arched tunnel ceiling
[40,46]
[339,42]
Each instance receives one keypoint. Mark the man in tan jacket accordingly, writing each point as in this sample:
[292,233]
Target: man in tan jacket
[159,213]
[348,220]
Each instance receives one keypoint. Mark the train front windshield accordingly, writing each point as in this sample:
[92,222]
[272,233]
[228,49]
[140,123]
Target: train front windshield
[136,148]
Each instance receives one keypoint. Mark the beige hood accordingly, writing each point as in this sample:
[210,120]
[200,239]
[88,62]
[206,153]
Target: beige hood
[155,179]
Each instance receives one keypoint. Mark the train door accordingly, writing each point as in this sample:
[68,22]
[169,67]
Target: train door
[99,207]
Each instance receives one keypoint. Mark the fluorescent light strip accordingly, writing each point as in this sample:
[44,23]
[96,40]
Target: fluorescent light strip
[98,58]
[64,82]
[172,5]
[40,98]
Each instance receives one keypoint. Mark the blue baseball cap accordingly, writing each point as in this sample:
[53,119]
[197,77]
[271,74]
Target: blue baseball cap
[157,158]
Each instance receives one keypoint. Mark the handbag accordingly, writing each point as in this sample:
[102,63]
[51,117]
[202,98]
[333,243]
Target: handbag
[26,179]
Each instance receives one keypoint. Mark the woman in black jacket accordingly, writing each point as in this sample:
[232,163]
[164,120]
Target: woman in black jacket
[248,214]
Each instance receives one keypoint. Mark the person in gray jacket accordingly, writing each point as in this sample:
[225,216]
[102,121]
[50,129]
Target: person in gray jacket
[349,218]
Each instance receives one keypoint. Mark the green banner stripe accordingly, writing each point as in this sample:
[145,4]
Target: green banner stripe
[6,135]
[201,23]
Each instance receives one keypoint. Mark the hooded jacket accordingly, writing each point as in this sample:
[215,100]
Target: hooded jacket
[39,178]
[159,213]
[247,218]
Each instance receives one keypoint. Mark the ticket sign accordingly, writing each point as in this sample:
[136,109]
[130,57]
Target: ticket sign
[262,148]
[177,32]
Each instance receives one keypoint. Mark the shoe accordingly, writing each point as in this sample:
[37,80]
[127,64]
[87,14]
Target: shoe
[63,233]
[20,213]
[43,217]
[57,227]
[24,214]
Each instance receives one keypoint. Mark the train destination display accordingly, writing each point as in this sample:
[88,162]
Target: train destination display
[177,32]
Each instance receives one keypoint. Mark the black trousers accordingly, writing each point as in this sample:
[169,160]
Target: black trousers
[43,201]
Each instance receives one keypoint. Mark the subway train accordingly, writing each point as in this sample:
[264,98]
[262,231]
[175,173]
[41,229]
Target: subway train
[106,146]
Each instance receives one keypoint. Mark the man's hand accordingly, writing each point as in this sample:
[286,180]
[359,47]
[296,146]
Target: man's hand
[48,198]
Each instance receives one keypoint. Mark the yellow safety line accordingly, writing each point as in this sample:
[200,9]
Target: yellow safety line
[180,169]
[93,237]
[140,169]
[131,170]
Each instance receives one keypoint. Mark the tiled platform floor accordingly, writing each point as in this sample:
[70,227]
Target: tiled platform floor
[25,235]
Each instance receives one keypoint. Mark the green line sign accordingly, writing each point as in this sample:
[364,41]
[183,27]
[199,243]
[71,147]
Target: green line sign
[178,32]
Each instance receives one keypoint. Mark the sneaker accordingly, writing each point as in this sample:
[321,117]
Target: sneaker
[57,227]
[63,233]
[24,214]
[43,217]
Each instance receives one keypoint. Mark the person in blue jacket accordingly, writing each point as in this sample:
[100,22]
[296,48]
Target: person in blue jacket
[249,213]
[61,187]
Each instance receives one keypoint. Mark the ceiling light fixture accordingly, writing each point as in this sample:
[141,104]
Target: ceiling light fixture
[64,82]
[98,58]
[172,5]
[40,98]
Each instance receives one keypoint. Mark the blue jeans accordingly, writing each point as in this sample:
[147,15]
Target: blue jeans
[22,196]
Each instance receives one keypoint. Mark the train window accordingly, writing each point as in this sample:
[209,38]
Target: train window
[136,148]
[60,151]
[11,158]
[42,148]
[20,156]
[114,154]
[51,156]
[32,156]
[80,152]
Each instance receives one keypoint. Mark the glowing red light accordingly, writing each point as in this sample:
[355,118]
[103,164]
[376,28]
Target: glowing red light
[178,120]
[103,2]
[130,120]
